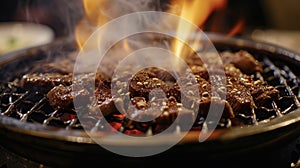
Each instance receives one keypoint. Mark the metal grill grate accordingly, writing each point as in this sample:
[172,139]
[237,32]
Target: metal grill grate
[34,107]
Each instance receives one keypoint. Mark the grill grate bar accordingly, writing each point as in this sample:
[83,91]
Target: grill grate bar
[36,107]
[12,105]
[275,107]
[284,75]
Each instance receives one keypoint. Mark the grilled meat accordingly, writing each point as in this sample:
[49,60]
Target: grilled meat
[154,99]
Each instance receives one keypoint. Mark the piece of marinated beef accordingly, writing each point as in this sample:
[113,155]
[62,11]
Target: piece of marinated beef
[237,93]
[193,60]
[188,91]
[111,106]
[263,94]
[200,71]
[158,114]
[103,92]
[212,65]
[213,106]
[43,82]
[242,60]
[240,99]
[203,101]
[104,100]
[144,82]
[62,97]
[163,75]
[237,76]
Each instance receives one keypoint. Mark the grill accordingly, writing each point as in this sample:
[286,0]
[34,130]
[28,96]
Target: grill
[59,133]
[33,106]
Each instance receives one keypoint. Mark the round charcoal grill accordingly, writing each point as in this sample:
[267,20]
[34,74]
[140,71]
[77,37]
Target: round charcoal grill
[31,128]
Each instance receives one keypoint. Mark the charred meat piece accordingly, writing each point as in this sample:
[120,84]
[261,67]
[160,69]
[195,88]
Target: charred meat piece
[144,82]
[215,104]
[44,82]
[242,60]
[263,94]
[204,100]
[159,114]
[213,65]
[237,76]
[160,74]
[200,71]
[194,60]
[111,106]
[240,99]
[62,97]
[185,91]
[103,91]
[237,93]
[105,101]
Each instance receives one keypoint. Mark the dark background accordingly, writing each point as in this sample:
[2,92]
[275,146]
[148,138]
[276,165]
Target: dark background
[62,15]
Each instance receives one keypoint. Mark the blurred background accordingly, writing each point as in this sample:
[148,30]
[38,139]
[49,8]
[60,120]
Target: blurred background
[273,21]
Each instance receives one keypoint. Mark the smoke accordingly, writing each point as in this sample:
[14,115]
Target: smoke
[61,15]
[116,8]
[111,10]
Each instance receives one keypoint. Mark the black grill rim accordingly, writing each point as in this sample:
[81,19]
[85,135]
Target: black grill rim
[79,136]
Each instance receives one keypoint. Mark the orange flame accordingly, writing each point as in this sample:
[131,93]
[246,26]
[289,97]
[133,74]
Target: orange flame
[93,17]
[237,28]
[196,12]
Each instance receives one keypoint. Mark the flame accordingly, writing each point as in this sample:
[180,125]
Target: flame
[93,12]
[126,45]
[196,12]
[93,18]
[236,28]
